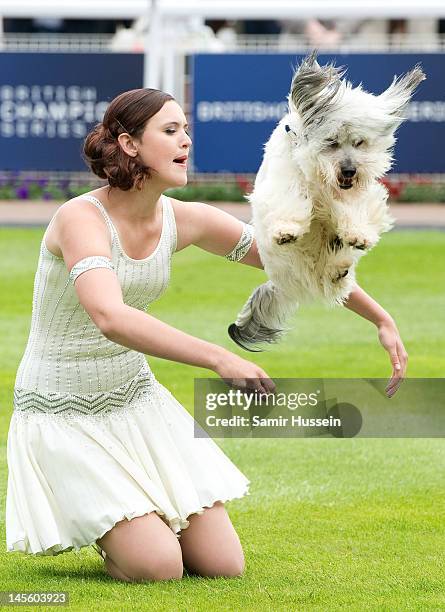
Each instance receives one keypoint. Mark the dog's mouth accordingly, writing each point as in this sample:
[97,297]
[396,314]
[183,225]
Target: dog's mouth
[345,183]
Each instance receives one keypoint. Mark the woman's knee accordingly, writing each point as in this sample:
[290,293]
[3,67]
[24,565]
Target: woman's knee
[231,568]
[219,566]
[165,566]
[143,548]
[211,546]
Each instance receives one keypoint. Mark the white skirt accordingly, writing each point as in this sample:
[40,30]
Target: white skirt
[73,476]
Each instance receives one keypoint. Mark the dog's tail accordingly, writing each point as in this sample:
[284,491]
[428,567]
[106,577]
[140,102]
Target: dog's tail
[262,318]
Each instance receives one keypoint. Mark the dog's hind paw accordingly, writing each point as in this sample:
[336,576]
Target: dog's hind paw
[339,268]
[341,274]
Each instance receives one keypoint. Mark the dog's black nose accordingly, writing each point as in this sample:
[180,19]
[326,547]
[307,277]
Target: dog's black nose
[348,171]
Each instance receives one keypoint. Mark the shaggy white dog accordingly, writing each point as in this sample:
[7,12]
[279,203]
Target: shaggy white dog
[317,204]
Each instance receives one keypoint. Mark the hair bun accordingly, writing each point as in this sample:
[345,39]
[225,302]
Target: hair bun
[96,149]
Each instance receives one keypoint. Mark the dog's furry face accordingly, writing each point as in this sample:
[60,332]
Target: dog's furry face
[344,136]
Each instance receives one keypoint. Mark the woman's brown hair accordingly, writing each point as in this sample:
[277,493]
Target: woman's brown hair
[127,113]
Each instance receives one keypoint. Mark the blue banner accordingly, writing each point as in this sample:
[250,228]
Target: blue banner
[239,98]
[49,102]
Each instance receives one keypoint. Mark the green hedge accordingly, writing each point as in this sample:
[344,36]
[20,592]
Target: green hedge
[423,193]
[222,192]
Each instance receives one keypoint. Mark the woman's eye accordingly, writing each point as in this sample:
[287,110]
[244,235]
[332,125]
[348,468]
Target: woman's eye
[359,143]
[173,131]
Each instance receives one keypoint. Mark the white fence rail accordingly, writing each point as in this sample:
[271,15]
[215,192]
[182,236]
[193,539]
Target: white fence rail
[286,43]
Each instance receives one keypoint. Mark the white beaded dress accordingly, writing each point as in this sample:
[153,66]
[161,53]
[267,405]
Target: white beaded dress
[94,438]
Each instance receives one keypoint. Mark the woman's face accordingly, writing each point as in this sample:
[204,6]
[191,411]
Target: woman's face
[165,144]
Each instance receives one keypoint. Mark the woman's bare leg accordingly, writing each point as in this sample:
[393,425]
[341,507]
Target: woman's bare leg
[144,548]
[210,545]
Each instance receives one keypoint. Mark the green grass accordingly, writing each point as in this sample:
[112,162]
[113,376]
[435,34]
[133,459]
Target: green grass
[330,524]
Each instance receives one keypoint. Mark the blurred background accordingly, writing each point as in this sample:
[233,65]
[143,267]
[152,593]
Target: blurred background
[332,524]
[229,65]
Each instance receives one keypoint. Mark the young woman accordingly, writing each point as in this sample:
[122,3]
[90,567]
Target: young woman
[99,452]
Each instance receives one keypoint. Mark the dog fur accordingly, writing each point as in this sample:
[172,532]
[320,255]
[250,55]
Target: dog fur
[317,203]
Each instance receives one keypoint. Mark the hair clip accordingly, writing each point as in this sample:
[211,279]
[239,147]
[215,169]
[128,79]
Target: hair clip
[125,130]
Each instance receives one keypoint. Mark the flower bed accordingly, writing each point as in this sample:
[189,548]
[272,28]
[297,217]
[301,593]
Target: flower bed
[416,190]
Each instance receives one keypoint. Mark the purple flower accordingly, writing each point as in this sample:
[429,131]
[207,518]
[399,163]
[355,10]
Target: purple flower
[42,182]
[22,192]
[47,196]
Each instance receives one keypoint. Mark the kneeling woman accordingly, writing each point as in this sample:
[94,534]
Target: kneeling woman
[99,452]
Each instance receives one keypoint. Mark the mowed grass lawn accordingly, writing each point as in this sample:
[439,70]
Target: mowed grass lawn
[330,524]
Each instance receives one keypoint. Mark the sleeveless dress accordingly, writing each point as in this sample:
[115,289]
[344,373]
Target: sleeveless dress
[94,438]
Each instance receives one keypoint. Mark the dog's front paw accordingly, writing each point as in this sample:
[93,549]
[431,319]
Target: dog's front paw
[359,240]
[284,237]
[287,233]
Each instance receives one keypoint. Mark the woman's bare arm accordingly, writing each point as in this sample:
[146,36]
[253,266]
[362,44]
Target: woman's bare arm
[364,305]
[211,229]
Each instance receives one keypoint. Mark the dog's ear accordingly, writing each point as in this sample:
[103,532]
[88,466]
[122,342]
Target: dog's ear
[313,89]
[395,99]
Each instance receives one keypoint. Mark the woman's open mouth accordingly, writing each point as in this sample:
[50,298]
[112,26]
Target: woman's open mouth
[181,161]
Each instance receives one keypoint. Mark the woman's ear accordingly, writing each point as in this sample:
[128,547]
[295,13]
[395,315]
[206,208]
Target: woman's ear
[127,144]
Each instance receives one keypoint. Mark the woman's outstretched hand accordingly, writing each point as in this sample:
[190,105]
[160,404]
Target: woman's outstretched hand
[243,374]
[390,340]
